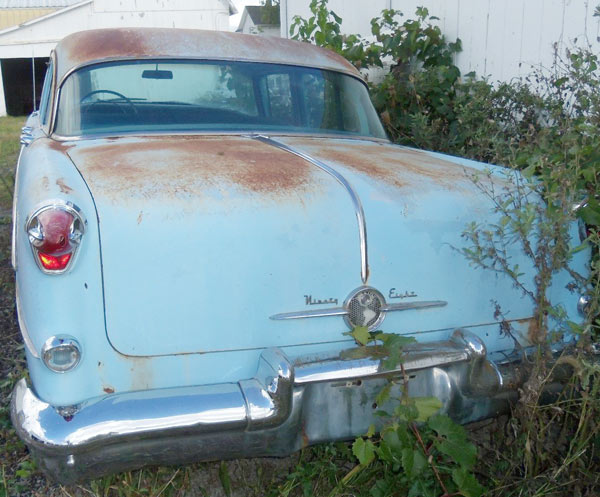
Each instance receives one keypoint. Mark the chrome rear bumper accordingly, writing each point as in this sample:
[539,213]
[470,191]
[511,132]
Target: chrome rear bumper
[283,408]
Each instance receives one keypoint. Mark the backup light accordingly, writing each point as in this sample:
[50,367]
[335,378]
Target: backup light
[61,353]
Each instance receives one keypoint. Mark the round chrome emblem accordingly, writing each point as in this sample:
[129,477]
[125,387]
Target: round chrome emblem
[365,308]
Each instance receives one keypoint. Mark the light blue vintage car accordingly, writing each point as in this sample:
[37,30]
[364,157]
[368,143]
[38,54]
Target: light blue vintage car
[199,218]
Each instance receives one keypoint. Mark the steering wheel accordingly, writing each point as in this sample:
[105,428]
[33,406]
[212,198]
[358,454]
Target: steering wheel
[127,100]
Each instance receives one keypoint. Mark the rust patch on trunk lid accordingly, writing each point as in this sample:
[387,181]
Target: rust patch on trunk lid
[172,166]
[58,146]
[397,166]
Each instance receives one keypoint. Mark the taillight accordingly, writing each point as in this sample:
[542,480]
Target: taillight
[55,233]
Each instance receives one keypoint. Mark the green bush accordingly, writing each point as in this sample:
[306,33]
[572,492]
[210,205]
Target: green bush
[547,127]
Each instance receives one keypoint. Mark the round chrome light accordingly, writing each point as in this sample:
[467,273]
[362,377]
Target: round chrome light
[365,307]
[582,304]
[61,353]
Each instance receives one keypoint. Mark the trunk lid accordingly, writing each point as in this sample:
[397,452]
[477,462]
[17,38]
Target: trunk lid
[204,238]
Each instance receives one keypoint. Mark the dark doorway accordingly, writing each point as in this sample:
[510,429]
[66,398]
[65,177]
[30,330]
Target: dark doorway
[18,84]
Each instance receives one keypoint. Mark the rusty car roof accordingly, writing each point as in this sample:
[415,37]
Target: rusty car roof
[87,47]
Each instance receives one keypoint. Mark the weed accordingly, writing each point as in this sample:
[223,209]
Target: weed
[545,126]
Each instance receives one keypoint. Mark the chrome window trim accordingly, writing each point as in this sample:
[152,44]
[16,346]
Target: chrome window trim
[46,96]
[244,134]
[358,208]
[243,60]
[49,125]
[66,206]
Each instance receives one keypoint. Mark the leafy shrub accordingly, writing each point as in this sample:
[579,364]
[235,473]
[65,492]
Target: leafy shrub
[546,126]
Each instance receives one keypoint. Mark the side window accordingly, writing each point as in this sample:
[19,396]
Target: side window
[45,98]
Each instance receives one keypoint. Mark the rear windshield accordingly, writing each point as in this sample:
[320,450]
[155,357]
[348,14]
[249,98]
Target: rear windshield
[158,95]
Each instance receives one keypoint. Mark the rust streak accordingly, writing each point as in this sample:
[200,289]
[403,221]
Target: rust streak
[63,187]
[188,165]
[104,43]
[396,166]
[101,44]
[305,439]
[58,146]
[534,333]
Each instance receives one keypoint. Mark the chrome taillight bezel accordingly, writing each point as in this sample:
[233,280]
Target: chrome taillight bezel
[32,228]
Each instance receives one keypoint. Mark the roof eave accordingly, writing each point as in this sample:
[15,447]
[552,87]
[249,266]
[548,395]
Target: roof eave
[43,18]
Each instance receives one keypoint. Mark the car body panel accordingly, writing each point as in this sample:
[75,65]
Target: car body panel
[110,369]
[213,217]
[88,47]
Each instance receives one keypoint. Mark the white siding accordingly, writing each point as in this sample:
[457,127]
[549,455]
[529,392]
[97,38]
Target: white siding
[38,37]
[501,39]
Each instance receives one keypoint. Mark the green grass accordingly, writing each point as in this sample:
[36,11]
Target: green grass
[18,473]
[10,129]
[13,458]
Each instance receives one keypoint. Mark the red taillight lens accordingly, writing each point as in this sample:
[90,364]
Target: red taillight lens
[55,225]
[55,233]
[54,263]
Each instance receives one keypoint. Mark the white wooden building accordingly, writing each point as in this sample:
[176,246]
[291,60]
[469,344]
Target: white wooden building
[24,48]
[254,23]
[502,39]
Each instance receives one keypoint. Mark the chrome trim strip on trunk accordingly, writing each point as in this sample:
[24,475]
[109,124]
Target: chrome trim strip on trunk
[414,305]
[317,313]
[358,208]
[342,311]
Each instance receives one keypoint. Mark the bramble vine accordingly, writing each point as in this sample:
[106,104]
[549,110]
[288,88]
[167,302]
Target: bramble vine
[425,453]
[544,127]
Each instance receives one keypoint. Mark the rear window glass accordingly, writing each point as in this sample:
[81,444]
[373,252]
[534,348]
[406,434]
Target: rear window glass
[159,95]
